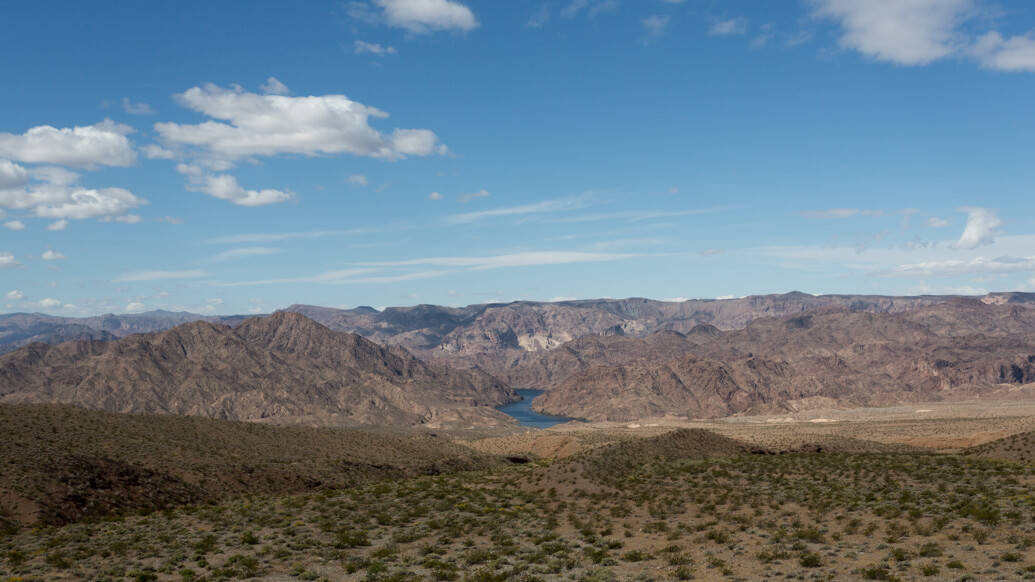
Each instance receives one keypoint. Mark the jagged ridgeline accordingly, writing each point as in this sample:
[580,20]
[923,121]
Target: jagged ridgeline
[283,368]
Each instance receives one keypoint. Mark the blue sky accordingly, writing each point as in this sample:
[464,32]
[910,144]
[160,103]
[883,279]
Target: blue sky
[239,157]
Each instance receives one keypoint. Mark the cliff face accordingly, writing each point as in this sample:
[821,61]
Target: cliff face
[953,351]
[282,368]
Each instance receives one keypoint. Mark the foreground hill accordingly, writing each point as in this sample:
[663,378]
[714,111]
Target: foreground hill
[63,463]
[1018,447]
[958,350]
[283,368]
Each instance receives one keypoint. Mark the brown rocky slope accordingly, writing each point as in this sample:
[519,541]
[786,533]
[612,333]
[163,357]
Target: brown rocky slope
[282,368]
[960,350]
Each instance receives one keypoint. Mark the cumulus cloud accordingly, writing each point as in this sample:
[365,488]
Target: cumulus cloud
[49,302]
[60,201]
[422,16]
[14,225]
[15,295]
[157,152]
[50,255]
[358,179]
[269,125]
[136,108]
[12,175]
[731,27]
[158,275]
[1005,54]
[273,86]
[980,229]
[101,144]
[483,193]
[7,260]
[58,225]
[360,47]
[655,25]
[435,196]
[225,187]
[917,32]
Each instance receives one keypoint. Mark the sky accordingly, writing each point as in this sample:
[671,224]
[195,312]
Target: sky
[239,157]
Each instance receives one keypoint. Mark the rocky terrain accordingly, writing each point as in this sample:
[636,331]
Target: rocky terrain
[487,334]
[282,368]
[956,350]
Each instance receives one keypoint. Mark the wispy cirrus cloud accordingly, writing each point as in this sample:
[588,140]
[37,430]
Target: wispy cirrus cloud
[637,215]
[546,206]
[525,259]
[231,254]
[282,236]
[137,276]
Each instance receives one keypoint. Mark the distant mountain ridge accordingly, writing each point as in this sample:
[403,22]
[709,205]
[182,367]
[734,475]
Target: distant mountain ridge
[958,350]
[280,368]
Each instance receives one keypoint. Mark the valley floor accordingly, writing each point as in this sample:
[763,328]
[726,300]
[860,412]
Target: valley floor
[604,504]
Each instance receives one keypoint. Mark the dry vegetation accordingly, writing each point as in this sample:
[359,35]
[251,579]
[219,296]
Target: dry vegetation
[689,504]
[61,463]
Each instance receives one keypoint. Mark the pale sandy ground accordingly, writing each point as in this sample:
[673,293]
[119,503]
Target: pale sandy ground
[938,426]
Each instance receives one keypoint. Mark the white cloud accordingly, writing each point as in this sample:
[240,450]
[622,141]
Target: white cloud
[963,267]
[676,299]
[159,275]
[54,175]
[905,32]
[592,7]
[1005,54]
[273,86]
[273,237]
[558,205]
[49,302]
[483,193]
[423,16]
[101,144]
[124,219]
[225,187]
[135,307]
[731,27]
[58,225]
[526,259]
[12,175]
[15,295]
[540,17]
[935,222]
[50,255]
[655,25]
[980,229]
[237,253]
[136,108]
[360,47]
[157,152]
[14,225]
[7,260]
[831,213]
[358,179]
[636,215]
[435,196]
[73,202]
[269,125]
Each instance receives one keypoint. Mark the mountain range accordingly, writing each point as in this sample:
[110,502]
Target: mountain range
[281,368]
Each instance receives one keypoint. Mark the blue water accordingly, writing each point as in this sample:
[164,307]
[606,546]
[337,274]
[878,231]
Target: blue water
[522,411]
